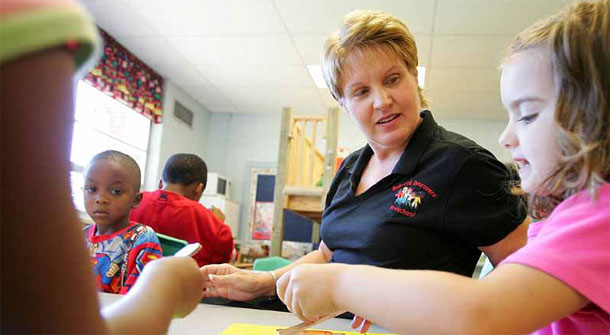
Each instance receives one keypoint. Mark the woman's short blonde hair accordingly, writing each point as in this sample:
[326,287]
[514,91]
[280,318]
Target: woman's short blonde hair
[577,42]
[364,30]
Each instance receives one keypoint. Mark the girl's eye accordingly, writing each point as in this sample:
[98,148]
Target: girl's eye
[527,119]
[90,189]
[116,192]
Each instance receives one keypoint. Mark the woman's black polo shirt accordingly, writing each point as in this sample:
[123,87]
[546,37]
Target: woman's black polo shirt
[445,197]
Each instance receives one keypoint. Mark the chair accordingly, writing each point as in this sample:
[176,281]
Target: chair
[170,245]
[270,263]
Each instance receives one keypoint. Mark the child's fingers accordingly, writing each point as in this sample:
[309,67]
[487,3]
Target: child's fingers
[360,322]
[365,326]
[356,321]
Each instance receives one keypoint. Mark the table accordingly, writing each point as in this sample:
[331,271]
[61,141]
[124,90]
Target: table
[209,319]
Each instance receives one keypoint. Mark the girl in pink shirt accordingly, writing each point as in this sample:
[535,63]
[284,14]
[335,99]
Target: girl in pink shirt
[556,89]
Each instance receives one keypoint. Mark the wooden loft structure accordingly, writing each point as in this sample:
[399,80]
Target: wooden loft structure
[304,173]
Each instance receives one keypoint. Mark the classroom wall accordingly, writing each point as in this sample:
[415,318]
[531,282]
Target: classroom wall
[485,132]
[238,142]
[173,135]
[218,135]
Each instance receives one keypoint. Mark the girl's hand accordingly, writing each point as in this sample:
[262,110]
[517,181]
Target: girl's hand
[308,290]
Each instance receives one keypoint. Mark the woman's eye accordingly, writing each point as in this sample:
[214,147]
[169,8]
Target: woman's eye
[393,79]
[360,92]
[528,118]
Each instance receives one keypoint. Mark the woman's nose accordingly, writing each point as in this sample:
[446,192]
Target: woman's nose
[381,98]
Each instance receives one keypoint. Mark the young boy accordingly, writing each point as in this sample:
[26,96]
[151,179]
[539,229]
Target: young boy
[119,248]
[174,210]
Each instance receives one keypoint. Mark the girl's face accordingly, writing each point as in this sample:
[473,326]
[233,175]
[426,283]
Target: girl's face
[380,94]
[529,95]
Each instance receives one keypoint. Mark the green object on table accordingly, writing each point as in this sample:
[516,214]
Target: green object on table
[270,263]
[170,245]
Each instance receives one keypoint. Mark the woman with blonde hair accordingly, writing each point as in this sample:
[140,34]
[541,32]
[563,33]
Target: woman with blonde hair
[416,196]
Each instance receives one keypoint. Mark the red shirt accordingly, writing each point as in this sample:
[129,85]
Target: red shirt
[176,216]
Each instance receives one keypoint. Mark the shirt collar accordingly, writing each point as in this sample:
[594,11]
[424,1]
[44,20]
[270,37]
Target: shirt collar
[100,238]
[411,155]
[417,145]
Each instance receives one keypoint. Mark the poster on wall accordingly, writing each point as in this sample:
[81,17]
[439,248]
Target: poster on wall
[260,203]
[297,229]
[263,220]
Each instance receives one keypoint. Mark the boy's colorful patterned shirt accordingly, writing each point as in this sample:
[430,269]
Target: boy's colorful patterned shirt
[119,258]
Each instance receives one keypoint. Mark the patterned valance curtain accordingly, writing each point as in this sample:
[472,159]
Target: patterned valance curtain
[127,79]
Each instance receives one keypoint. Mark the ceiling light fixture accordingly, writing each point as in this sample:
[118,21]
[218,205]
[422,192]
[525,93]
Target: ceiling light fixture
[315,71]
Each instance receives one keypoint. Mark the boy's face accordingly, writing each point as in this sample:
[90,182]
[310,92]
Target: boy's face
[529,95]
[110,193]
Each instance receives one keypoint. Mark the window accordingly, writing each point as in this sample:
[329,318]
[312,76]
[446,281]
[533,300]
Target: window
[102,123]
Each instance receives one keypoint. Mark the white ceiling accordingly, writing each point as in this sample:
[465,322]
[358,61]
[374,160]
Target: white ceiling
[250,56]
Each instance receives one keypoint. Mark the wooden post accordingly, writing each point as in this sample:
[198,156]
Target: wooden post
[315,232]
[312,159]
[277,233]
[332,130]
[301,156]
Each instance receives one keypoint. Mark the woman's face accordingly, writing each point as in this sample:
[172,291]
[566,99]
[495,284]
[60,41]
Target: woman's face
[529,96]
[381,95]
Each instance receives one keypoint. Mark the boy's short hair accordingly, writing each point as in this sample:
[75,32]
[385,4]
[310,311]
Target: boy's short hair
[185,169]
[364,30]
[124,161]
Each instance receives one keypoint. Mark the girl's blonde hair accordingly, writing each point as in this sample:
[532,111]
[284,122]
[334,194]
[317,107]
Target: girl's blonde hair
[361,31]
[577,42]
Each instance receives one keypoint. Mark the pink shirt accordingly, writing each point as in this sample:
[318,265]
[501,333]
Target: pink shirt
[573,245]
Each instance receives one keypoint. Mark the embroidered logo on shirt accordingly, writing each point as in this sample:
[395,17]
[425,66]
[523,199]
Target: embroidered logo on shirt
[410,196]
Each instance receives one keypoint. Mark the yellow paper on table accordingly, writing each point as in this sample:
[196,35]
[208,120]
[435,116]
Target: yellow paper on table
[249,329]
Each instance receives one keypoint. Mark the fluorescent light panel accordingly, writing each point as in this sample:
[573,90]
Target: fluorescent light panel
[315,71]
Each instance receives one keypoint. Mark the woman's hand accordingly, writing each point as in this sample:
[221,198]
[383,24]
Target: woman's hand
[308,290]
[229,282]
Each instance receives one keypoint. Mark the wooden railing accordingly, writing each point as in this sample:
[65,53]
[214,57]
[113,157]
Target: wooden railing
[305,162]
[301,168]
